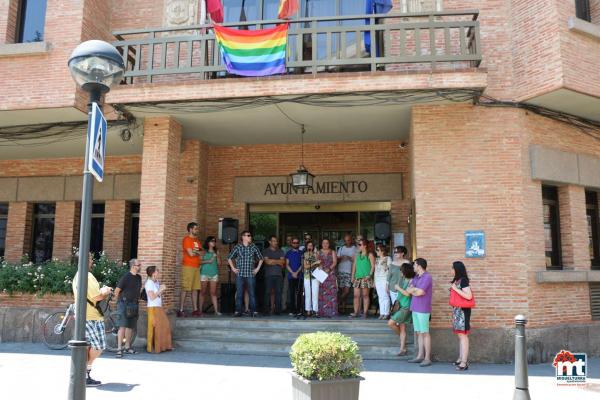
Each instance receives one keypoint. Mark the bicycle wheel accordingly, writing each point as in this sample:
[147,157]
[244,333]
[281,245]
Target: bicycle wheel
[111,329]
[54,336]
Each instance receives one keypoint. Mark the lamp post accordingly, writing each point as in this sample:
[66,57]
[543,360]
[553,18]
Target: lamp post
[302,178]
[95,66]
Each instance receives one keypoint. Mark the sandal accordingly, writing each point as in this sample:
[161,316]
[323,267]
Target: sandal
[402,353]
[130,351]
[119,354]
[352,315]
[461,368]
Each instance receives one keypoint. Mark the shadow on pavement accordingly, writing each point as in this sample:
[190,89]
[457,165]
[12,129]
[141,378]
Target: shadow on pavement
[117,387]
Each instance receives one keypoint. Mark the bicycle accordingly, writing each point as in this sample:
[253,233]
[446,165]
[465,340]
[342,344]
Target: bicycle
[58,328]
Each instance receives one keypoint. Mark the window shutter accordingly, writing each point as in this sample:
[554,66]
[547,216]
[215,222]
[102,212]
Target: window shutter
[595,300]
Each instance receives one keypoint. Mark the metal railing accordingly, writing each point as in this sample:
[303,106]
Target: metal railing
[325,44]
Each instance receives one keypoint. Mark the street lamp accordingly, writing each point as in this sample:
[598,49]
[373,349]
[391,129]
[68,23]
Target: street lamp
[302,178]
[95,66]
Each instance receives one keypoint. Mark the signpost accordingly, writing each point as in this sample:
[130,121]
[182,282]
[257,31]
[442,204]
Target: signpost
[97,140]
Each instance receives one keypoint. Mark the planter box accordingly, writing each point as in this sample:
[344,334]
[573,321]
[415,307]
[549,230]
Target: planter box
[338,389]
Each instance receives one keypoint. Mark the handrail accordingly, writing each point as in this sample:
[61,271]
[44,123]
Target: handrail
[473,13]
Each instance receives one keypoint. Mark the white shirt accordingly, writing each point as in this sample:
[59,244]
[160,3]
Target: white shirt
[346,266]
[152,286]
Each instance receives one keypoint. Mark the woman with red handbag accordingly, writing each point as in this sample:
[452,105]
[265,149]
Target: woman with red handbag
[461,300]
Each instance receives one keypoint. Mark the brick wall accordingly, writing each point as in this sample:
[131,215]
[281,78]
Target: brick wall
[116,220]
[66,229]
[18,230]
[159,236]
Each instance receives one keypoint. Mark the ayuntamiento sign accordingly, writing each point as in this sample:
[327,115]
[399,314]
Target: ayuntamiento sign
[279,189]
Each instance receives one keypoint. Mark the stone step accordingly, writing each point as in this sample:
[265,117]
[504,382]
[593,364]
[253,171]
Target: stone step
[276,349]
[289,339]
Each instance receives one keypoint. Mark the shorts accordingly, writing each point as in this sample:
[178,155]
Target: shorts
[121,319]
[363,283]
[95,335]
[421,322]
[344,279]
[402,316]
[206,278]
[190,278]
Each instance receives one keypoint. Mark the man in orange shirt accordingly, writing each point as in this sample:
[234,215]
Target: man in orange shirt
[190,272]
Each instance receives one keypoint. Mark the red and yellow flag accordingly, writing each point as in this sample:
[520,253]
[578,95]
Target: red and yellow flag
[287,8]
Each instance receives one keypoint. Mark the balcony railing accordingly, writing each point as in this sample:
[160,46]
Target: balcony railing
[399,42]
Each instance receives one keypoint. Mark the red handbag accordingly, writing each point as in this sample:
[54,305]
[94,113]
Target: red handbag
[456,300]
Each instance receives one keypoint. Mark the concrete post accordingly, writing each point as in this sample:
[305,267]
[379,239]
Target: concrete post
[521,375]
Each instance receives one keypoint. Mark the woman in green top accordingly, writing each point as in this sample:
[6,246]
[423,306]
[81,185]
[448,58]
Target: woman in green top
[209,273]
[362,277]
[403,316]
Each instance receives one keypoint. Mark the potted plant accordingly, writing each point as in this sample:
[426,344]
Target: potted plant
[326,366]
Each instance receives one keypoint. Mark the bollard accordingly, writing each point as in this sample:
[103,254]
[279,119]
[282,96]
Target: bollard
[521,375]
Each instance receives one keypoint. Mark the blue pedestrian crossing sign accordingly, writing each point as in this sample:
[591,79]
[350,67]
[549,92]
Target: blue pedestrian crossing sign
[97,140]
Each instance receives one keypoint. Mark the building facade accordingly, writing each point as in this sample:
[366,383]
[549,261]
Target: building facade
[460,116]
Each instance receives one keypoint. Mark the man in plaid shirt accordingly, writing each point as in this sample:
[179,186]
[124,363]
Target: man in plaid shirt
[245,255]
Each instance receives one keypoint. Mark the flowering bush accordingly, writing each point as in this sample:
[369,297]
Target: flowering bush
[54,276]
[325,356]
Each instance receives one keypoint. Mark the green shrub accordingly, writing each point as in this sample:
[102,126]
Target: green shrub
[325,356]
[54,276]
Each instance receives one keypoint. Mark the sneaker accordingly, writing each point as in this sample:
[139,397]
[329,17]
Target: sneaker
[291,314]
[196,313]
[89,382]
[255,314]
[237,314]
[180,314]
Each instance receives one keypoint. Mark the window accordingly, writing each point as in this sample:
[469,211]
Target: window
[135,230]
[3,221]
[551,227]
[43,232]
[97,236]
[593,222]
[31,20]
[582,10]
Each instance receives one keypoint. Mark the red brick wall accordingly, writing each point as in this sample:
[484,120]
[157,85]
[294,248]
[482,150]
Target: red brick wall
[66,229]
[130,164]
[18,230]
[116,219]
[8,20]
[34,301]
[159,236]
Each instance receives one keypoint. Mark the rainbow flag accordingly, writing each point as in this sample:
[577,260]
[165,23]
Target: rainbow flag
[287,8]
[253,52]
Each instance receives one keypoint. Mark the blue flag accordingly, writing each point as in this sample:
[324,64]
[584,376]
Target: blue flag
[375,7]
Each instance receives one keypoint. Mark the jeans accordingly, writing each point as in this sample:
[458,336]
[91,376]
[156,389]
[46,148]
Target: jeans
[274,282]
[241,283]
[294,299]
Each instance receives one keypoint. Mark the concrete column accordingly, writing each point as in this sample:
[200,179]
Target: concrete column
[159,237]
[115,229]
[66,229]
[18,230]
[573,227]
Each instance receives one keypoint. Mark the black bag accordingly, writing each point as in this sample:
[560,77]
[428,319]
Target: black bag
[131,310]
[144,295]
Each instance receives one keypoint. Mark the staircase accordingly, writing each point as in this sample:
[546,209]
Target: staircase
[273,336]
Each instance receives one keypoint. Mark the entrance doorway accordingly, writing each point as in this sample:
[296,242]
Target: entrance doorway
[331,221]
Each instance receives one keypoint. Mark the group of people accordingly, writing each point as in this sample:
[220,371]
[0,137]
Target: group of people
[128,293]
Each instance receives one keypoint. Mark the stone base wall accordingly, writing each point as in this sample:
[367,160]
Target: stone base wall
[498,345]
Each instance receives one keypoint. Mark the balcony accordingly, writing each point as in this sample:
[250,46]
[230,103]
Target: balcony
[404,42]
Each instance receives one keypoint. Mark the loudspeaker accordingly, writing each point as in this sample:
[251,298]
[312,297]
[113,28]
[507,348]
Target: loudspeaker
[227,305]
[228,227]
[383,226]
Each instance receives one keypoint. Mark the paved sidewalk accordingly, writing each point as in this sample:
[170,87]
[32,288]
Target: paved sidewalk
[30,371]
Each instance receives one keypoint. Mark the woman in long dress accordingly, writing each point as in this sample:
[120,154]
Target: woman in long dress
[328,289]
[159,328]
